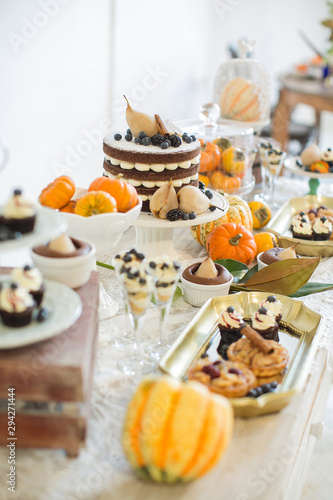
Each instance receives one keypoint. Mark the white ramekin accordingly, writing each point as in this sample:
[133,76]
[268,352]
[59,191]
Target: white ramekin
[197,295]
[72,271]
[261,264]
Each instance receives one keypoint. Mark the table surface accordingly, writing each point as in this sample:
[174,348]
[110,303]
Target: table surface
[312,86]
[256,465]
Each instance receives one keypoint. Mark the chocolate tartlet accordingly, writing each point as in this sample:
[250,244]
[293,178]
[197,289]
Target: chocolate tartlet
[148,167]
[223,275]
[272,255]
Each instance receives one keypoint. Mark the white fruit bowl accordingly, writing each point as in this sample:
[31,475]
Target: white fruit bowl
[104,230]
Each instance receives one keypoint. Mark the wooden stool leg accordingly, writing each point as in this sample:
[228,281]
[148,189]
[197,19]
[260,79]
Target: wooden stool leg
[281,118]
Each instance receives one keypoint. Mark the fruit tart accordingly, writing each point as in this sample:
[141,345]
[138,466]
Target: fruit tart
[264,357]
[228,378]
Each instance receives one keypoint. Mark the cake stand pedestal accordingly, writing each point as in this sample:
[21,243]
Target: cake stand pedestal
[313,177]
[154,237]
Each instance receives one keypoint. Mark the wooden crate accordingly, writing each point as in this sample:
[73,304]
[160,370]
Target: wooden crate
[52,381]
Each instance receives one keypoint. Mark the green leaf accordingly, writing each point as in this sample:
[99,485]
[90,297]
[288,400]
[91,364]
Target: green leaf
[310,288]
[178,293]
[107,266]
[236,268]
[250,273]
[283,277]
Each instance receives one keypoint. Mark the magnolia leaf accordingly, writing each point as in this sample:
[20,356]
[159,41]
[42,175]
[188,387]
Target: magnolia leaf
[178,293]
[236,268]
[283,277]
[250,273]
[310,288]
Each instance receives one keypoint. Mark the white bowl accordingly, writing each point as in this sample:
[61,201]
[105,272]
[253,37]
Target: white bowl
[197,295]
[104,230]
[71,271]
[261,264]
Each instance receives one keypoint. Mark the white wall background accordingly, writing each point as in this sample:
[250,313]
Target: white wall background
[65,65]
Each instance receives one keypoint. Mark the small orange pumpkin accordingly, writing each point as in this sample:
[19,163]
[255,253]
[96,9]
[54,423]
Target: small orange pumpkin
[95,202]
[234,161]
[210,156]
[58,193]
[69,207]
[320,167]
[265,241]
[219,180]
[124,193]
[232,241]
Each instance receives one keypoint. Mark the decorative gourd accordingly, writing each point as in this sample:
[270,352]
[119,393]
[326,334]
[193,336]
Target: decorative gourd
[58,193]
[223,143]
[320,167]
[174,431]
[210,156]
[261,213]
[204,179]
[238,213]
[124,193]
[234,161]
[232,241]
[219,180]
[240,100]
[69,207]
[265,241]
[95,202]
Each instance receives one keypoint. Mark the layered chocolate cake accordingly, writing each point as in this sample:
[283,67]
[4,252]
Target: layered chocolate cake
[148,167]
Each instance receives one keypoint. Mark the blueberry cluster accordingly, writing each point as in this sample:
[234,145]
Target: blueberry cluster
[176,214]
[163,141]
[262,389]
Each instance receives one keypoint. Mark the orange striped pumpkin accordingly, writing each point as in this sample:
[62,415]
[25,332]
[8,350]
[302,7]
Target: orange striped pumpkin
[240,100]
[175,431]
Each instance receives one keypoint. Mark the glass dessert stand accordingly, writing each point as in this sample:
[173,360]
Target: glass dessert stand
[314,178]
[154,237]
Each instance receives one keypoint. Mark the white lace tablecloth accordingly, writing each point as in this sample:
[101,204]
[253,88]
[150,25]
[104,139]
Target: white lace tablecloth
[101,471]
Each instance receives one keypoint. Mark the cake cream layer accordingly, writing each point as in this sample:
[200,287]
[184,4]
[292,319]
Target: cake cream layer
[136,153]
[155,167]
[151,176]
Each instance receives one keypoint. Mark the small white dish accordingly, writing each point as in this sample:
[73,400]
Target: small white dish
[261,264]
[71,271]
[197,295]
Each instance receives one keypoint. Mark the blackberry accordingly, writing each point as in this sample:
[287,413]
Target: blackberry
[128,137]
[175,141]
[157,139]
[193,138]
[186,216]
[117,137]
[146,141]
[202,185]
[175,214]
[192,215]
[187,139]
[142,134]
[209,194]
[137,140]
[165,144]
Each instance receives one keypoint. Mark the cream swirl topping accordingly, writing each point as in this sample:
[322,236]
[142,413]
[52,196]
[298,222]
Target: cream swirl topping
[263,320]
[322,226]
[230,318]
[15,298]
[29,278]
[299,216]
[300,227]
[272,305]
[19,207]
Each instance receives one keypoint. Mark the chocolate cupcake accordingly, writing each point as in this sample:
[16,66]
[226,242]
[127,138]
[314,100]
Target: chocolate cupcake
[19,213]
[273,306]
[16,305]
[302,229]
[322,229]
[32,280]
[265,324]
[230,324]
[327,156]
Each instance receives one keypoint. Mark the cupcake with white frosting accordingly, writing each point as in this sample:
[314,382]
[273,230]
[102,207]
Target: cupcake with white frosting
[230,324]
[322,229]
[327,156]
[265,324]
[302,229]
[273,306]
[32,280]
[16,305]
[19,213]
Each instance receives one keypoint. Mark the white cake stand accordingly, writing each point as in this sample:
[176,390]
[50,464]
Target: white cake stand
[154,237]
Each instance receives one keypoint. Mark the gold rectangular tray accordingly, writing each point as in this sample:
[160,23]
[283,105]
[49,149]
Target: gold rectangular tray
[298,334]
[280,226]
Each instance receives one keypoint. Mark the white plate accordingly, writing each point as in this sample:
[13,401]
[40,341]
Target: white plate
[291,165]
[147,219]
[64,307]
[49,224]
